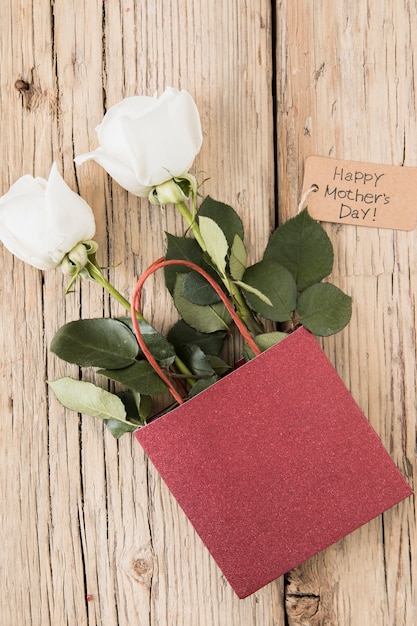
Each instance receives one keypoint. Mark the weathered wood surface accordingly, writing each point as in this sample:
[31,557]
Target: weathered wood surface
[346,74]
[83,514]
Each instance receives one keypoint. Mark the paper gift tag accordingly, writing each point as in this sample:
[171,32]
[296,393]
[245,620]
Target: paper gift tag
[273,463]
[364,194]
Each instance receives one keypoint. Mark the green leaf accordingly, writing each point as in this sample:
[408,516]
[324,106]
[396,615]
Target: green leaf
[206,319]
[83,397]
[182,334]
[181,248]
[145,408]
[265,341]
[201,385]
[97,342]
[197,361]
[159,346]
[138,408]
[197,290]
[302,246]
[226,217]
[216,242]
[254,291]
[118,429]
[138,377]
[131,401]
[219,365]
[238,258]
[277,284]
[324,309]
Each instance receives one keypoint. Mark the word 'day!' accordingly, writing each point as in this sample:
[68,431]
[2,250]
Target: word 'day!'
[364,194]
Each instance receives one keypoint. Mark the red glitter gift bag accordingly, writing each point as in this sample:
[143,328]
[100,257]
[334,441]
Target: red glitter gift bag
[274,462]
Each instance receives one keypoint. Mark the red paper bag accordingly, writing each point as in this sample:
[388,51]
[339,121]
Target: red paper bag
[273,463]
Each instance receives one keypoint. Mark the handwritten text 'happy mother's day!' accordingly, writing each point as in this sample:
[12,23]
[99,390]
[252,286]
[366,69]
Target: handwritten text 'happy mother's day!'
[348,188]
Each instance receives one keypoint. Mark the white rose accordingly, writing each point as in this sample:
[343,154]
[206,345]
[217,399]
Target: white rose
[41,221]
[146,141]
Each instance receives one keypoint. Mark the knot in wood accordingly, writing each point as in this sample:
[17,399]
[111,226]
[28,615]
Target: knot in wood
[141,566]
[21,85]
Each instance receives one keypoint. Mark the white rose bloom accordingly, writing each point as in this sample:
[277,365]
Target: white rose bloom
[41,221]
[145,141]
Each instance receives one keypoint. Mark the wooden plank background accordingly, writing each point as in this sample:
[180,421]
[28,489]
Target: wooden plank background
[274,82]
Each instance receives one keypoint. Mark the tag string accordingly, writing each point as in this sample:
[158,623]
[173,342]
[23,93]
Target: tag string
[305,195]
[136,307]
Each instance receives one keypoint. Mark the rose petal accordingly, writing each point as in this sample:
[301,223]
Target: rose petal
[41,221]
[121,174]
[130,107]
[110,132]
[67,212]
[146,141]
[22,228]
[165,143]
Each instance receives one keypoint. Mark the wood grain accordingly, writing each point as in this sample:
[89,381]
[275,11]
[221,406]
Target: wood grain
[346,77]
[83,515]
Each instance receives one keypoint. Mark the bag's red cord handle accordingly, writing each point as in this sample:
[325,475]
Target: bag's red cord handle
[136,306]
